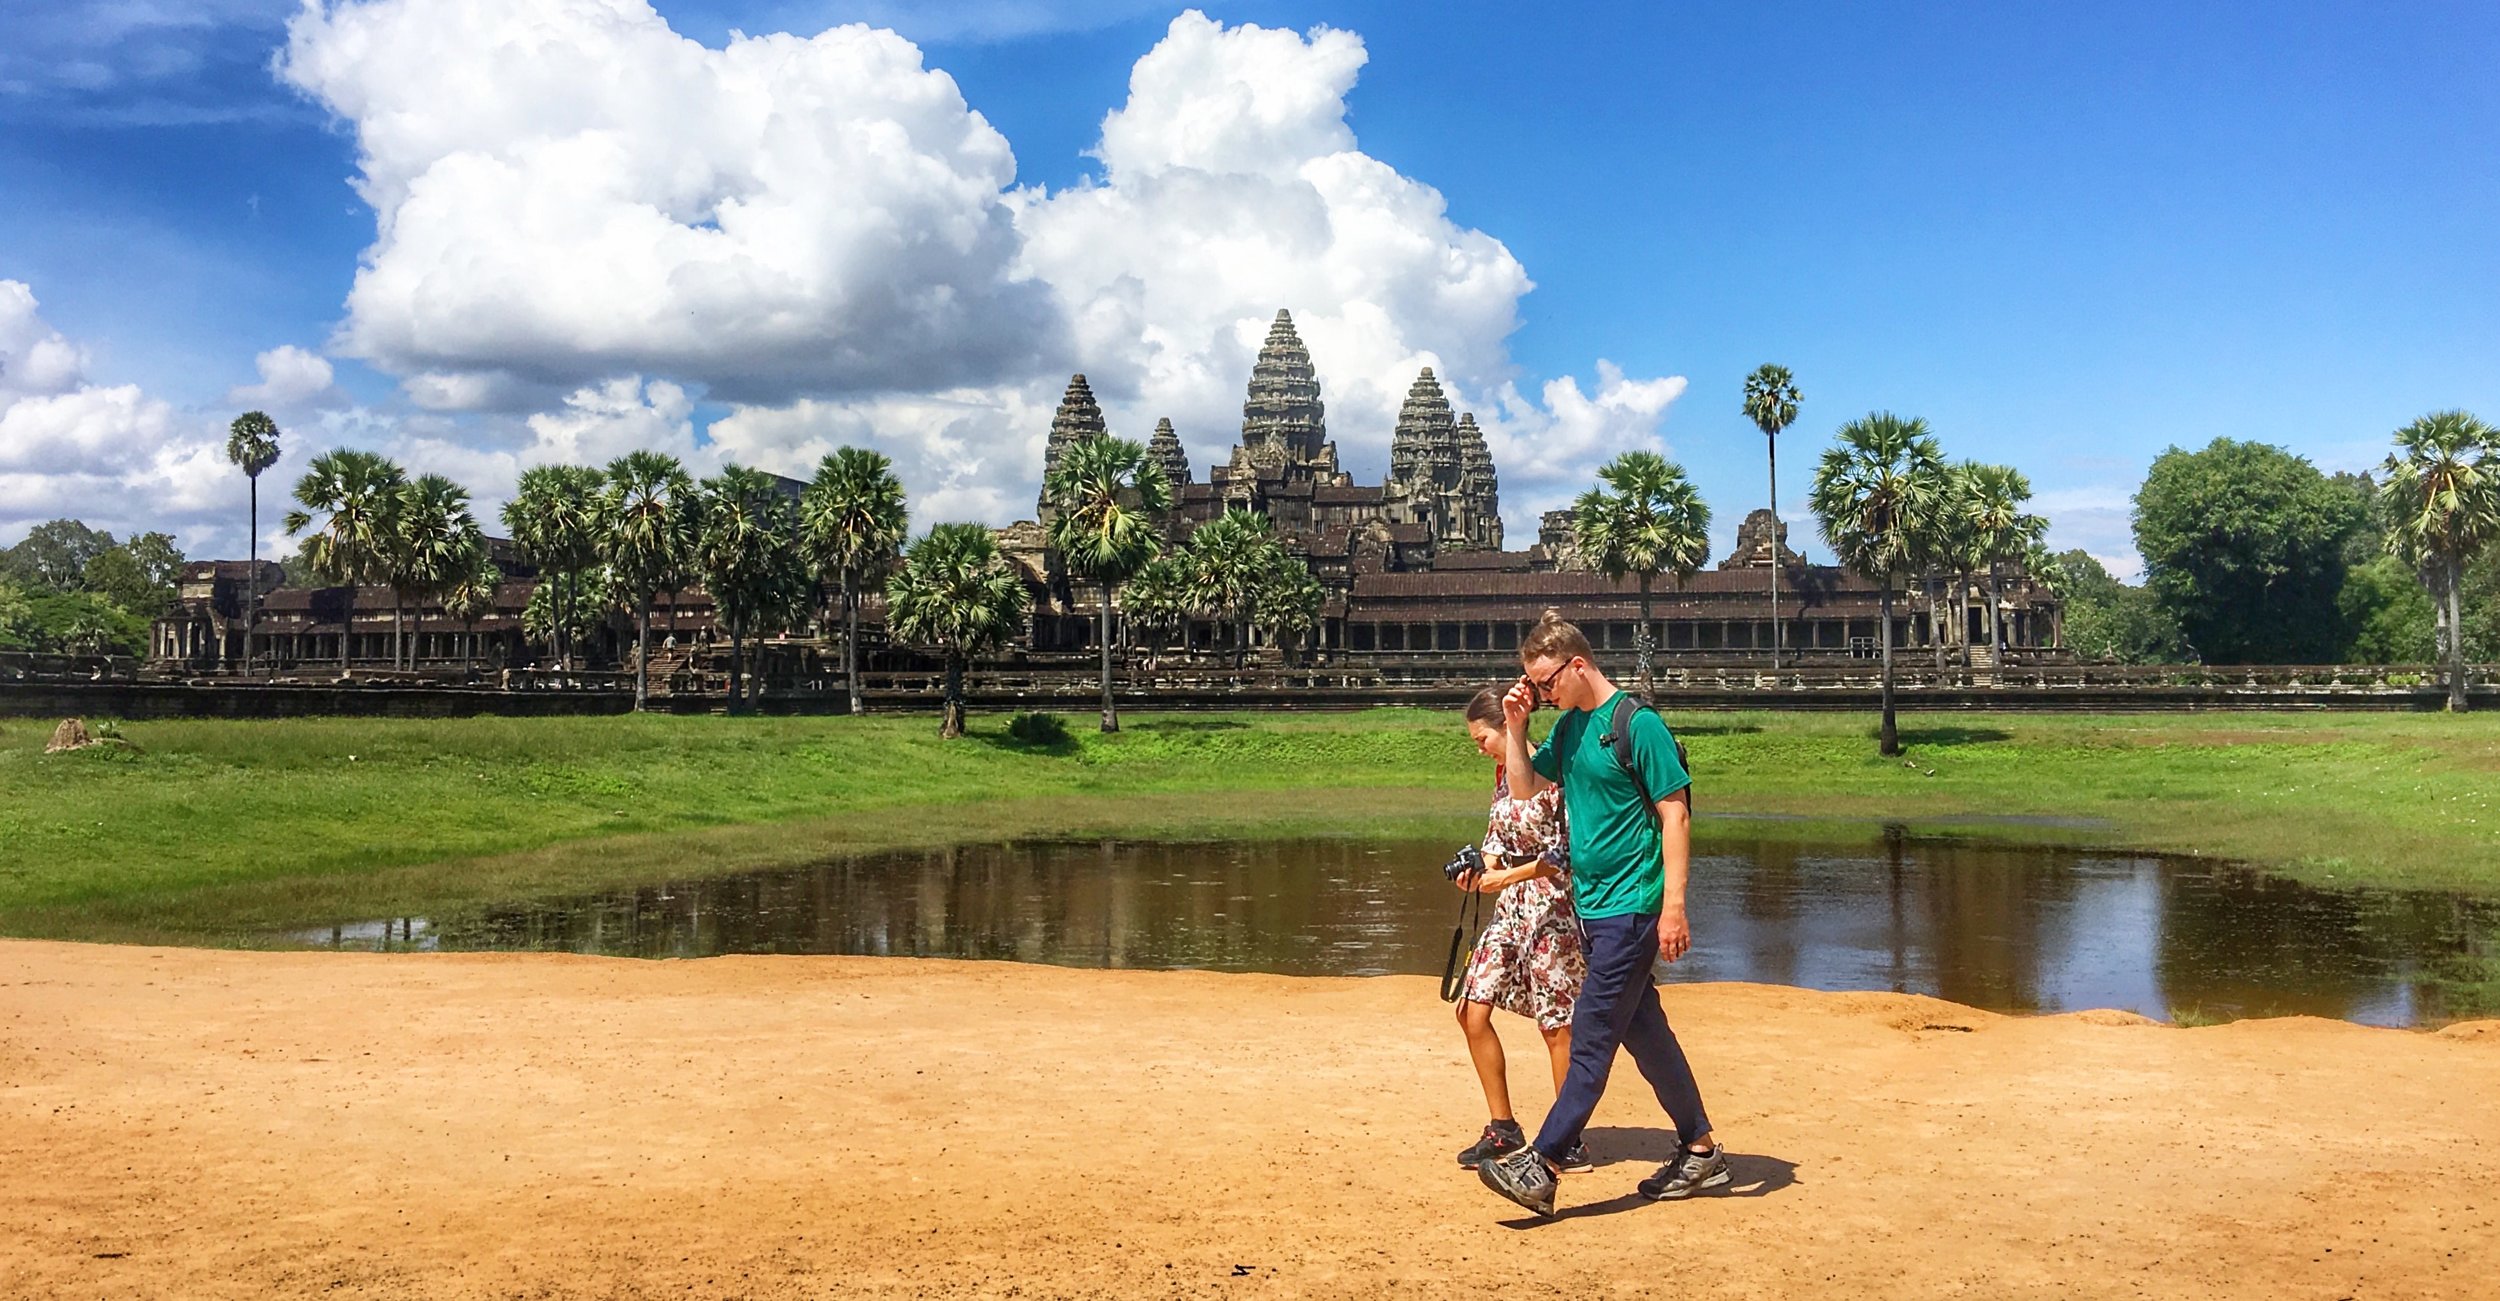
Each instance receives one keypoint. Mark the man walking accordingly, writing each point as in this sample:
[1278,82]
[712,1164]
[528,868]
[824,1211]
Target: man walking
[1631,846]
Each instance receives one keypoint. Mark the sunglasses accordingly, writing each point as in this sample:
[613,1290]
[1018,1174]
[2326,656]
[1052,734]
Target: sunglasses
[1544,687]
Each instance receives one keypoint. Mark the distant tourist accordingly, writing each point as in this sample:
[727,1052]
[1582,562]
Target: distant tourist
[1630,821]
[1528,959]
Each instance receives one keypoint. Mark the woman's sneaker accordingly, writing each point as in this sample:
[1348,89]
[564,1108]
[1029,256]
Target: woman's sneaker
[1498,1139]
[1578,1160]
[1523,1177]
[1687,1174]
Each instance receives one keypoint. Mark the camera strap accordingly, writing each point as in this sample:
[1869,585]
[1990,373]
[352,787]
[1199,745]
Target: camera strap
[1462,945]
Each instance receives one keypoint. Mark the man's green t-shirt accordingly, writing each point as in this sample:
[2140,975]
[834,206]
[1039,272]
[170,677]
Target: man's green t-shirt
[1615,867]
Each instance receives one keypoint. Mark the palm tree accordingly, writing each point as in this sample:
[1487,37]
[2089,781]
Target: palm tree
[747,557]
[1228,559]
[1948,548]
[252,445]
[2442,497]
[646,533]
[1645,519]
[471,594]
[1873,492]
[1106,493]
[2002,533]
[1289,600]
[2049,574]
[432,538]
[357,494]
[853,520]
[554,518]
[1771,404]
[1158,600]
[954,591]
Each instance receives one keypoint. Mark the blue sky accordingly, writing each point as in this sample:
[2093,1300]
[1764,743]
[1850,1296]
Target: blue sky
[2069,236]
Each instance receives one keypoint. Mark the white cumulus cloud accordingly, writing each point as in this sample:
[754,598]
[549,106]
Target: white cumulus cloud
[291,378]
[568,190]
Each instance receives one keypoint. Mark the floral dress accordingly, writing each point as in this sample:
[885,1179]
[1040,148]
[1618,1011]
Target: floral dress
[1528,960]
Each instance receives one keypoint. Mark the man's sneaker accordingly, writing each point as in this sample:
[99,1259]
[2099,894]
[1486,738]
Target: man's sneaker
[1687,1174]
[1522,1176]
[1578,1160]
[1498,1139]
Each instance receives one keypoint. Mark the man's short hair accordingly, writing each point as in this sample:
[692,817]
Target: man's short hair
[1556,637]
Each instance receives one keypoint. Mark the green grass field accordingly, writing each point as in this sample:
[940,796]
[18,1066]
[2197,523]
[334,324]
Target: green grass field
[222,831]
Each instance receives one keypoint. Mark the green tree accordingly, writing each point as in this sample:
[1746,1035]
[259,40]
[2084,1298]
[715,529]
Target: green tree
[1289,601]
[1228,558]
[1874,493]
[433,537]
[570,613]
[647,531]
[471,595]
[17,618]
[2442,496]
[1159,600]
[2391,619]
[1107,494]
[252,446]
[554,519]
[955,592]
[2108,620]
[141,575]
[54,556]
[853,519]
[2243,544]
[2002,533]
[1771,404]
[1643,519]
[748,558]
[354,498]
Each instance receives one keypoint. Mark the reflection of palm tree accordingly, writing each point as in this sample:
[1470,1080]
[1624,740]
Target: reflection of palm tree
[1874,492]
[1643,519]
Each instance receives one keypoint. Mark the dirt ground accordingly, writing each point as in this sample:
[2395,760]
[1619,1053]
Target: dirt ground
[209,1124]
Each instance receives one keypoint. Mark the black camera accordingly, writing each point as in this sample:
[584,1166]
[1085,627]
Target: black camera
[1466,862]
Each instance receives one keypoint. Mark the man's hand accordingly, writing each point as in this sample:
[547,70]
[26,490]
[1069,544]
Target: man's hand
[1675,934]
[1517,704]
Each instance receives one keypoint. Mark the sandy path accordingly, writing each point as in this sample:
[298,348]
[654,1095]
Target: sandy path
[205,1124]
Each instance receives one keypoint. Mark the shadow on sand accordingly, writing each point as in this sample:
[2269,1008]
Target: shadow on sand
[1620,1150]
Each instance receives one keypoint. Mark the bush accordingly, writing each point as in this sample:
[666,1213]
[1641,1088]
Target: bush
[1039,730]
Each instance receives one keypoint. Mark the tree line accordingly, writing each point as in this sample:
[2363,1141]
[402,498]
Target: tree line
[66,588]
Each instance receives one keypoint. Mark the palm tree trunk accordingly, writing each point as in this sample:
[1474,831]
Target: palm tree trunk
[347,626]
[642,653]
[952,724]
[1110,712]
[1889,740]
[737,665]
[2456,637]
[850,637]
[1775,553]
[1996,608]
[251,579]
[1929,584]
[1640,641]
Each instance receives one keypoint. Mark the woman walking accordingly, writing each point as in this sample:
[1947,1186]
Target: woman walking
[1528,961]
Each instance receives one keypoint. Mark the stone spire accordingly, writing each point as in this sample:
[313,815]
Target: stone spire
[1479,487]
[1079,416]
[1283,412]
[1166,450]
[1425,440]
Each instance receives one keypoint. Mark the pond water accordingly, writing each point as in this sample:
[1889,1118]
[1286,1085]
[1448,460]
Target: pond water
[2009,928]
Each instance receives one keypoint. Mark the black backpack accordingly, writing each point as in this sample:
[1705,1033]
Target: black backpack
[1618,742]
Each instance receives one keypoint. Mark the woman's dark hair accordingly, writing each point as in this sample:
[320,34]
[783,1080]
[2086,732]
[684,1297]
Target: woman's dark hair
[1486,707]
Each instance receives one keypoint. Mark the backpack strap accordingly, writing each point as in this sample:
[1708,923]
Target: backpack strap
[1618,742]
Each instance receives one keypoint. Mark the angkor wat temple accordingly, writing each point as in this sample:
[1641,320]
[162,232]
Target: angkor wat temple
[1413,567]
